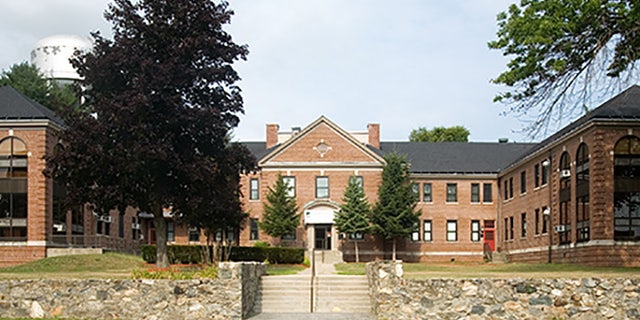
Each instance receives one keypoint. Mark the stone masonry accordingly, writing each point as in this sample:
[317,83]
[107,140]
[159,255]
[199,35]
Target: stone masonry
[396,298]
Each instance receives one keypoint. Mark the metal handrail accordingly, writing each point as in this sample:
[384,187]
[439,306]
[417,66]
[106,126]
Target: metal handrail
[313,276]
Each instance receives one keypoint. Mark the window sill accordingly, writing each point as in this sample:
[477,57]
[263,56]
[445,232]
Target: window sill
[451,202]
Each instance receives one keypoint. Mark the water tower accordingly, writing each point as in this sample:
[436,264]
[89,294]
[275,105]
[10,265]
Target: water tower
[51,56]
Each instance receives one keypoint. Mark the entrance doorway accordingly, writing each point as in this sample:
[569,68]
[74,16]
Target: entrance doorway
[322,236]
[489,230]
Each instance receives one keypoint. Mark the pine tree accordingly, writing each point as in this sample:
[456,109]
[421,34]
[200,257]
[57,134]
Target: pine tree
[353,217]
[393,216]
[280,211]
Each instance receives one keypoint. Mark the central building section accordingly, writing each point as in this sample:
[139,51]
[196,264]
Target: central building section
[316,162]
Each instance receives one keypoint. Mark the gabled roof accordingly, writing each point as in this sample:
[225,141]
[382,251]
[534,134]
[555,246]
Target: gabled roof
[258,149]
[16,106]
[278,149]
[623,107]
[457,157]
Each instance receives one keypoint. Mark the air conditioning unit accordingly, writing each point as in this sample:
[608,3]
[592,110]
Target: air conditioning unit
[106,219]
[566,173]
[135,226]
[59,227]
[560,228]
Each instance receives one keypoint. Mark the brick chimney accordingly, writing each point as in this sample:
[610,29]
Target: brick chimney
[272,134]
[374,134]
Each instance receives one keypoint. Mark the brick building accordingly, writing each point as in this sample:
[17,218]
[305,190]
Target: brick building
[31,220]
[574,197]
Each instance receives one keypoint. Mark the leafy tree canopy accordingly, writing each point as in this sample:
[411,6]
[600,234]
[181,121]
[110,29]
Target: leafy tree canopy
[564,53]
[440,134]
[163,99]
[281,215]
[27,79]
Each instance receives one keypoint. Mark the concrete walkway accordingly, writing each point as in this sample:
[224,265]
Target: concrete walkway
[321,268]
[313,316]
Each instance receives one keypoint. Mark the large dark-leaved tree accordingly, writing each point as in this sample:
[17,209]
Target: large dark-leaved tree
[393,216]
[565,53]
[162,100]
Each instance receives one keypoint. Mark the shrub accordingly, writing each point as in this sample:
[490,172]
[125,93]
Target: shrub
[261,244]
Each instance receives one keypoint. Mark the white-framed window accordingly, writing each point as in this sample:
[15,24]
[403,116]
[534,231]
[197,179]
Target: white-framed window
[475,193]
[426,192]
[452,230]
[415,235]
[290,182]
[253,229]
[452,192]
[475,230]
[254,192]
[322,187]
[487,193]
[426,230]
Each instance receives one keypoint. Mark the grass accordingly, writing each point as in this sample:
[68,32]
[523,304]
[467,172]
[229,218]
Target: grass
[108,265]
[511,270]
[350,269]
[283,269]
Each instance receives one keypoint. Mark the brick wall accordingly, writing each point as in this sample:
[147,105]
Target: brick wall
[600,140]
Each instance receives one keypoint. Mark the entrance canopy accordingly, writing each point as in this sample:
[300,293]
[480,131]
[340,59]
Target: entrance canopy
[319,216]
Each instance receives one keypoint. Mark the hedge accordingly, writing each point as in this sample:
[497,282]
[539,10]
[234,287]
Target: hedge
[187,254]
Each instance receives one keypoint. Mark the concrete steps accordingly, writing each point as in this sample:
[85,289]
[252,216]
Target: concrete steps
[332,294]
[336,293]
[284,294]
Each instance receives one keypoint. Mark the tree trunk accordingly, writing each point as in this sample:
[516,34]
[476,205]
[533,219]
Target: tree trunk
[357,255]
[162,259]
[393,254]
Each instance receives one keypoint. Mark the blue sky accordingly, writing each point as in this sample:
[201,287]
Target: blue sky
[403,64]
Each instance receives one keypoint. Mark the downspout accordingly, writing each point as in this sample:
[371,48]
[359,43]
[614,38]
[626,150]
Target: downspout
[550,216]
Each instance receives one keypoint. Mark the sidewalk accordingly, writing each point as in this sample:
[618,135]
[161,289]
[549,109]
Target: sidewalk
[321,268]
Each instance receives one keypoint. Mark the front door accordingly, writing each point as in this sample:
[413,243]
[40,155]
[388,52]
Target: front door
[489,234]
[323,236]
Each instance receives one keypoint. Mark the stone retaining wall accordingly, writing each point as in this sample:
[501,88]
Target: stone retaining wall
[136,299]
[396,298]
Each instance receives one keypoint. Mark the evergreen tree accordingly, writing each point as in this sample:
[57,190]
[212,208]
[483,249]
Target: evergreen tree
[281,215]
[163,98]
[27,79]
[393,216]
[353,217]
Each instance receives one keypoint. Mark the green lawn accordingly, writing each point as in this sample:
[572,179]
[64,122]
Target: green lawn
[352,269]
[108,265]
[283,269]
[511,270]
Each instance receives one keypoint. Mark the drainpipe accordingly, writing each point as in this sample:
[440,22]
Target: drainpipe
[550,182]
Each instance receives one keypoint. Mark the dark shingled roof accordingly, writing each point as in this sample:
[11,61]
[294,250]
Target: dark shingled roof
[16,106]
[441,157]
[457,157]
[624,106]
[258,149]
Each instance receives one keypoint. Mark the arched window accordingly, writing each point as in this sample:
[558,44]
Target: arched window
[626,196]
[13,190]
[565,198]
[582,193]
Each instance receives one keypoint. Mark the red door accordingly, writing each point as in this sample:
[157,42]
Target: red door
[489,234]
